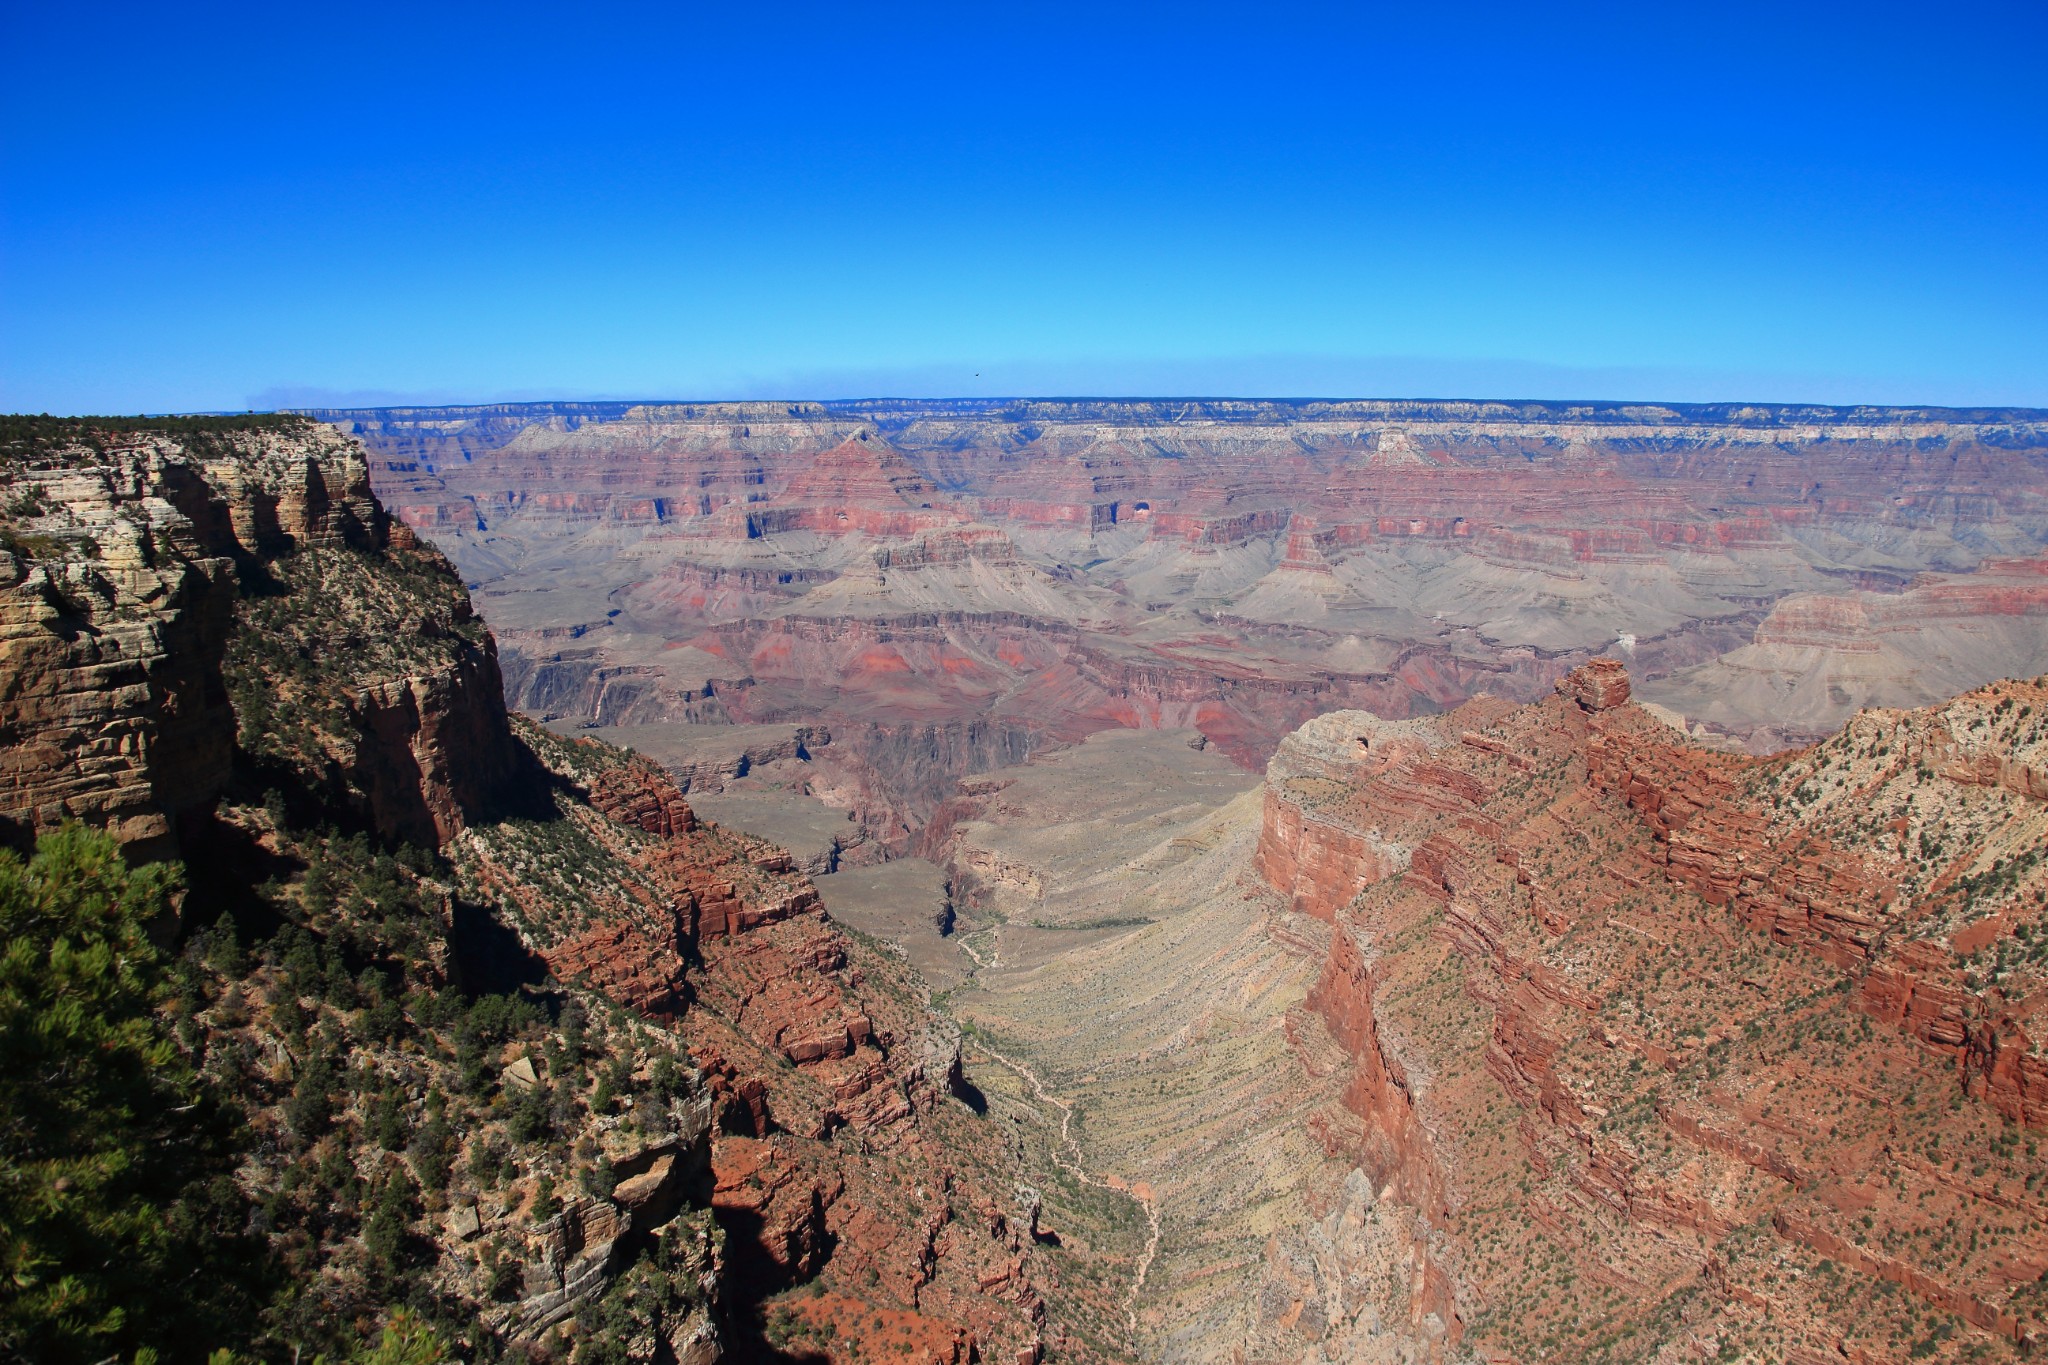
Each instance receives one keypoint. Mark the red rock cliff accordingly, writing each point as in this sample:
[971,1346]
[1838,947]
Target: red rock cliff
[1612,999]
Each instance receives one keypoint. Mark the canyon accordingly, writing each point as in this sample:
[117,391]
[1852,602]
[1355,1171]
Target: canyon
[990,607]
[1101,881]
[1405,946]
[510,1036]
[1541,1030]
[951,586]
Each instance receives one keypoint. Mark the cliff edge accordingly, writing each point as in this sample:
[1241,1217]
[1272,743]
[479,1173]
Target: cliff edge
[133,561]
[507,1034]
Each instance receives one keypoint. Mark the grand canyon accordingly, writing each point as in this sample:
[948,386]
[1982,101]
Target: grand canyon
[944,588]
[1066,880]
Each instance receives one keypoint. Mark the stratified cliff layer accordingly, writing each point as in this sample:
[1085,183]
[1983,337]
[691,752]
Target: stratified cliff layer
[518,1039]
[1678,1055]
[989,578]
[133,559]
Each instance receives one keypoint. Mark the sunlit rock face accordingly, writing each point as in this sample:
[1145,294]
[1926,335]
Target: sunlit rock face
[129,566]
[1630,1007]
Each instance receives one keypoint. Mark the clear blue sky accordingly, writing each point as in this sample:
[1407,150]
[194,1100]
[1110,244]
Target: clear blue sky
[218,206]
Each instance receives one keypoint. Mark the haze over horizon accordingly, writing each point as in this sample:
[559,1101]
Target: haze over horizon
[1313,379]
[231,207]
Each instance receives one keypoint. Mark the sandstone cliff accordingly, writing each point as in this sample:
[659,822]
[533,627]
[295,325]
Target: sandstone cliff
[133,562]
[1671,1051]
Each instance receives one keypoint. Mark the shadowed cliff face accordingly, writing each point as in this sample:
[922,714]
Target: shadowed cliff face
[1664,1046]
[1058,568]
[141,571]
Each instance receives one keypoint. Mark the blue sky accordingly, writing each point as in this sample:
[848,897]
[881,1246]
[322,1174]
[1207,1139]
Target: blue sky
[213,207]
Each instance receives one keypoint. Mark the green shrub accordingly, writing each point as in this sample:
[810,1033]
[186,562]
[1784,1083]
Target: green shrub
[387,1125]
[432,1150]
[119,1222]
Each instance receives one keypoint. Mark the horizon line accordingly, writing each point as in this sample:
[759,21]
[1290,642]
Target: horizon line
[1982,410]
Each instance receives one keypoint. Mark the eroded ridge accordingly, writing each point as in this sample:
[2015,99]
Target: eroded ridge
[494,1023]
[1674,1050]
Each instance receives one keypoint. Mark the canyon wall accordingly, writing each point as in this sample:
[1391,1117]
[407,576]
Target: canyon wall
[1670,1050]
[126,565]
[217,644]
[1058,568]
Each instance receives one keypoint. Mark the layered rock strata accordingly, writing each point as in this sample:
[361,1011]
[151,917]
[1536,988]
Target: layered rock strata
[1053,569]
[129,565]
[1670,1050]
[217,642]
[837,1154]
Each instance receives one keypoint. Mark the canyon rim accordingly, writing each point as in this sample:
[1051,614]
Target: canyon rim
[1060,880]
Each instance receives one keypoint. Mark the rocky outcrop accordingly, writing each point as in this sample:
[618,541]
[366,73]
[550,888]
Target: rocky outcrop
[110,694]
[435,748]
[1650,995]
[1598,685]
[129,556]
[1313,848]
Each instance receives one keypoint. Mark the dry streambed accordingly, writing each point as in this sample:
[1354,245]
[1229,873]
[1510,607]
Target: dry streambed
[1126,975]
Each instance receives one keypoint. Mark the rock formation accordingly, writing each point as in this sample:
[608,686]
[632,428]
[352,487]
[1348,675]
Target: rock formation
[1669,1050]
[127,563]
[614,1079]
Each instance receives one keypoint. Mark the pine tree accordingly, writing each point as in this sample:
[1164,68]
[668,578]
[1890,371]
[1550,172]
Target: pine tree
[119,1223]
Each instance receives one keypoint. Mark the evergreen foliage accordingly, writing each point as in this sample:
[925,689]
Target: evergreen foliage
[25,436]
[119,1221]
